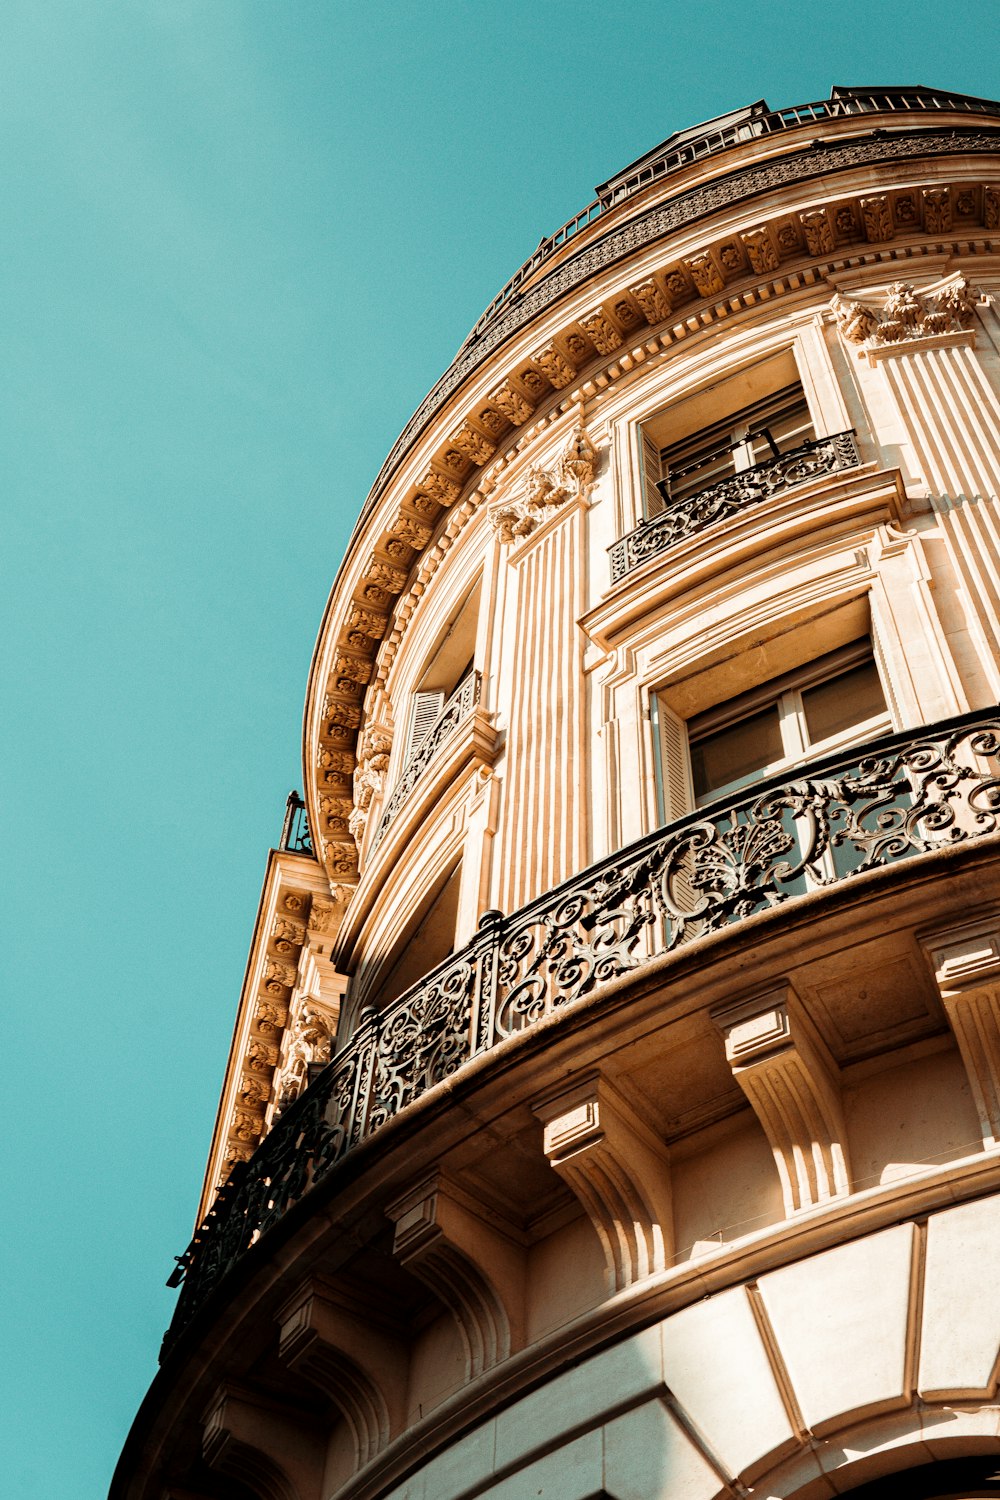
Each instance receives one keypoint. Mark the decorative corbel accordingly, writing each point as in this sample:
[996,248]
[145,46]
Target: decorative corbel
[791,1081]
[277,1454]
[347,1351]
[619,1169]
[471,1259]
[966,964]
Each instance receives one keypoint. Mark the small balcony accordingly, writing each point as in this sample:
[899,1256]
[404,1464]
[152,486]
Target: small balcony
[455,711]
[730,496]
[816,826]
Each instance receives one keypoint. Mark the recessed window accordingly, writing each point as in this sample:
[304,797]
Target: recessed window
[450,663]
[774,425]
[699,440]
[830,704]
[833,702]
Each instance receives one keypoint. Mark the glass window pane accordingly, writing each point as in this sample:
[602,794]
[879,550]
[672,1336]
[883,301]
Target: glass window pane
[833,706]
[736,753]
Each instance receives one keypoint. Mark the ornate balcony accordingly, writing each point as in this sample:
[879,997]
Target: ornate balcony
[823,823]
[456,710]
[812,460]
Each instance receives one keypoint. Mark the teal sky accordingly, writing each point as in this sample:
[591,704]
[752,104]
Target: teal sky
[241,238]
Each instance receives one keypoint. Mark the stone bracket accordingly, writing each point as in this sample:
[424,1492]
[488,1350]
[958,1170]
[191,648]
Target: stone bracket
[791,1081]
[339,1345]
[471,1260]
[966,964]
[620,1171]
[242,1435]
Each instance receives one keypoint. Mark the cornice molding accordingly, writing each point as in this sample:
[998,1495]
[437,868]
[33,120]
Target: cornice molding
[818,159]
[795,245]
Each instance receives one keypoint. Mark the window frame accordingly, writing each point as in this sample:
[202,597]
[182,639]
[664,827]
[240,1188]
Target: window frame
[674,737]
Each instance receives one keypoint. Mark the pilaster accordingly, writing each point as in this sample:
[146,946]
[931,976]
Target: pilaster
[544,532]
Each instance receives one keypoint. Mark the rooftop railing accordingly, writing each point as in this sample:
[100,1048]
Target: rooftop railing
[819,824]
[737,492]
[295,835]
[694,147]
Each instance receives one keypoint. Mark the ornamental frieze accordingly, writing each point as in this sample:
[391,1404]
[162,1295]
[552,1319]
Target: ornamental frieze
[818,231]
[678,214]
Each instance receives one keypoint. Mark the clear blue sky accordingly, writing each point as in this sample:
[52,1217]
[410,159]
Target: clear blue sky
[241,238]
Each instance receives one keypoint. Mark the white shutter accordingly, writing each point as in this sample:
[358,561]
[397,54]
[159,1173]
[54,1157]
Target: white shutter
[676,788]
[676,796]
[652,470]
[424,711]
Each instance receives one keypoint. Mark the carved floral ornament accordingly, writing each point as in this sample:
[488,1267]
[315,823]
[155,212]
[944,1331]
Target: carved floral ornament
[947,307]
[569,478]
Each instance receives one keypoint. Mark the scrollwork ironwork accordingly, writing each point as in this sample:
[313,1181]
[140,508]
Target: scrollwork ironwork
[738,492]
[901,796]
[457,709]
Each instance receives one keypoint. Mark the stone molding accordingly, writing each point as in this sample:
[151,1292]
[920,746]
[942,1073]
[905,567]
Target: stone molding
[791,1082]
[263,1445]
[620,1171]
[939,315]
[569,478]
[686,209]
[618,331]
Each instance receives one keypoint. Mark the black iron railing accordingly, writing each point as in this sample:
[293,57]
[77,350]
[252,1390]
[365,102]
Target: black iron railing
[758,121]
[905,795]
[457,709]
[748,487]
[295,835]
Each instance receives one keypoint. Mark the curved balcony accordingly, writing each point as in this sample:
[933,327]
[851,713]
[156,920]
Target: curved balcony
[821,824]
[717,502]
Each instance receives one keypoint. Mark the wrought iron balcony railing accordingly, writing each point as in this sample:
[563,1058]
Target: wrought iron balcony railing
[835,819]
[811,460]
[295,835]
[457,709]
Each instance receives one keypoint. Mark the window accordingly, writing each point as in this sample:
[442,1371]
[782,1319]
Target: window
[772,426]
[449,665]
[723,429]
[429,939]
[832,703]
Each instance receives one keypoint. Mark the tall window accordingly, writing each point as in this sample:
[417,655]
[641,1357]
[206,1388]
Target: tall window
[723,429]
[832,703]
[449,665]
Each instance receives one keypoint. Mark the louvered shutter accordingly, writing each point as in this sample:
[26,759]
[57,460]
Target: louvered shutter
[424,711]
[676,789]
[677,797]
[652,470]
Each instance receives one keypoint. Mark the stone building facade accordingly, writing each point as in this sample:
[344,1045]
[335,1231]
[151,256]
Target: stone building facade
[614,1101]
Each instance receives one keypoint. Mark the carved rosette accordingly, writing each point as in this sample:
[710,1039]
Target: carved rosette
[569,478]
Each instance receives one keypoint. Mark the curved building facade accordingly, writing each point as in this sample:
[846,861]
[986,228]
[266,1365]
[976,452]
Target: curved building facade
[614,1101]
